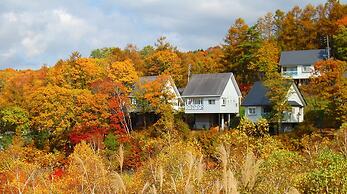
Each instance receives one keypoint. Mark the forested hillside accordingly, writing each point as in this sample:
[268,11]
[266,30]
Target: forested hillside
[66,128]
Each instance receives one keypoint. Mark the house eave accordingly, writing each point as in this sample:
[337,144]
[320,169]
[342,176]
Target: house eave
[192,96]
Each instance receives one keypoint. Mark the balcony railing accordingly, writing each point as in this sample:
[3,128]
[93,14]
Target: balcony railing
[290,73]
[289,117]
[194,107]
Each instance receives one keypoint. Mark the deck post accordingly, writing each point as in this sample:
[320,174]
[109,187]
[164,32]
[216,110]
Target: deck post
[222,122]
[228,120]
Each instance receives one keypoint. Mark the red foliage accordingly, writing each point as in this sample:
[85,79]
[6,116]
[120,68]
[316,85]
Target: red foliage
[88,133]
[57,173]
[133,160]
[245,88]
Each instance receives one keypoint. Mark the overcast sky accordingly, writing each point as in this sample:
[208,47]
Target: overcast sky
[37,32]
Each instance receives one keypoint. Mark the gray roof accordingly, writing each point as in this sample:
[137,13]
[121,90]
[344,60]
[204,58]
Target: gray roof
[294,103]
[209,84]
[302,57]
[146,79]
[257,96]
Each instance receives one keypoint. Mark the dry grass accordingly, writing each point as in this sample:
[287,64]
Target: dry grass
[121,157]
[249,171]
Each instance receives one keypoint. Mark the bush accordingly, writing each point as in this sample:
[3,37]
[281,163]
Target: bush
[278,172]
[111,142]
[329,174]
[262,127]
[247,126]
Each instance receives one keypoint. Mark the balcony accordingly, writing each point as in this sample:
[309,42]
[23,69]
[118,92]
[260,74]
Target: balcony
[290,73]
[289,117]
[194,107]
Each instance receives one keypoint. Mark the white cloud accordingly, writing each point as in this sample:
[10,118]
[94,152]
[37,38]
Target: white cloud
[40,32]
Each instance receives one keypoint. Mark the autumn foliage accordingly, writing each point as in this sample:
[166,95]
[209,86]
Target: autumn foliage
[68,128]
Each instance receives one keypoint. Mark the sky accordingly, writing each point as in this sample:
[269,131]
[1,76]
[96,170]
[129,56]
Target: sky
[40,32]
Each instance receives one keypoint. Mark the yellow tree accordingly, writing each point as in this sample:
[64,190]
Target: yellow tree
[267,59]
[123,72]
[165,61]
[21,84]
[77,72]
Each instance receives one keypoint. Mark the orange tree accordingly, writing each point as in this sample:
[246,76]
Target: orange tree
[54,111]
[77,72]
[331,86]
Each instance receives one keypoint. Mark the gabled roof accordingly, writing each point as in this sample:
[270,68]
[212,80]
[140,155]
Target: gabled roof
[147,79]
[302,57]
[209,84]
[257,96]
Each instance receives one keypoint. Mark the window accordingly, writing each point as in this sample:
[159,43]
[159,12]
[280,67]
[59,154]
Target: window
[191,101]
[197,101]
[224,101]
[251,111]
[306,69]
[290,68]
[133,101]
[211,101]
[290,71]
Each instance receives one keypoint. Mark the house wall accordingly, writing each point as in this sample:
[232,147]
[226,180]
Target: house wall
[296,115]
[254,117]
[232,99]
[299,73]
[297,112]
[294,96]
[175,101]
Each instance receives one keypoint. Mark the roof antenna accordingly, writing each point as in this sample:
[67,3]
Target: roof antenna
[328,47]
[189,69]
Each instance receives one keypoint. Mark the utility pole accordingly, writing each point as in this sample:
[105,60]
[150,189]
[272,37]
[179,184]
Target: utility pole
[328,47]
[189,69]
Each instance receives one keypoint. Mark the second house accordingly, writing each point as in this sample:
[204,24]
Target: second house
[211,99]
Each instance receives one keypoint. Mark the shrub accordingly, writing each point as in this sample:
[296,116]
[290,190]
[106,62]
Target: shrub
[278,172]
[247,126]
[111,142]
[328,175]
[262,127]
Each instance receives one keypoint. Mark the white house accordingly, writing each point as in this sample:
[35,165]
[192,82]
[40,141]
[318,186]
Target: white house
[149,116]
[299,64]
[170,87]
[211,99]
[257,104]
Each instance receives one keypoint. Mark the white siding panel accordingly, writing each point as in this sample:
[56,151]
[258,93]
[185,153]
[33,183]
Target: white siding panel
[254,117]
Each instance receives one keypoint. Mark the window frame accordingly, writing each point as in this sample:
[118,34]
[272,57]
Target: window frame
[304,70]
[224,101]
[212,101]
[251,112]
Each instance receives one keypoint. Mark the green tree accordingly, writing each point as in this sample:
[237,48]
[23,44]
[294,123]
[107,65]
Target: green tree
[267,57]
[340,44]
[241,44]
[277,93]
